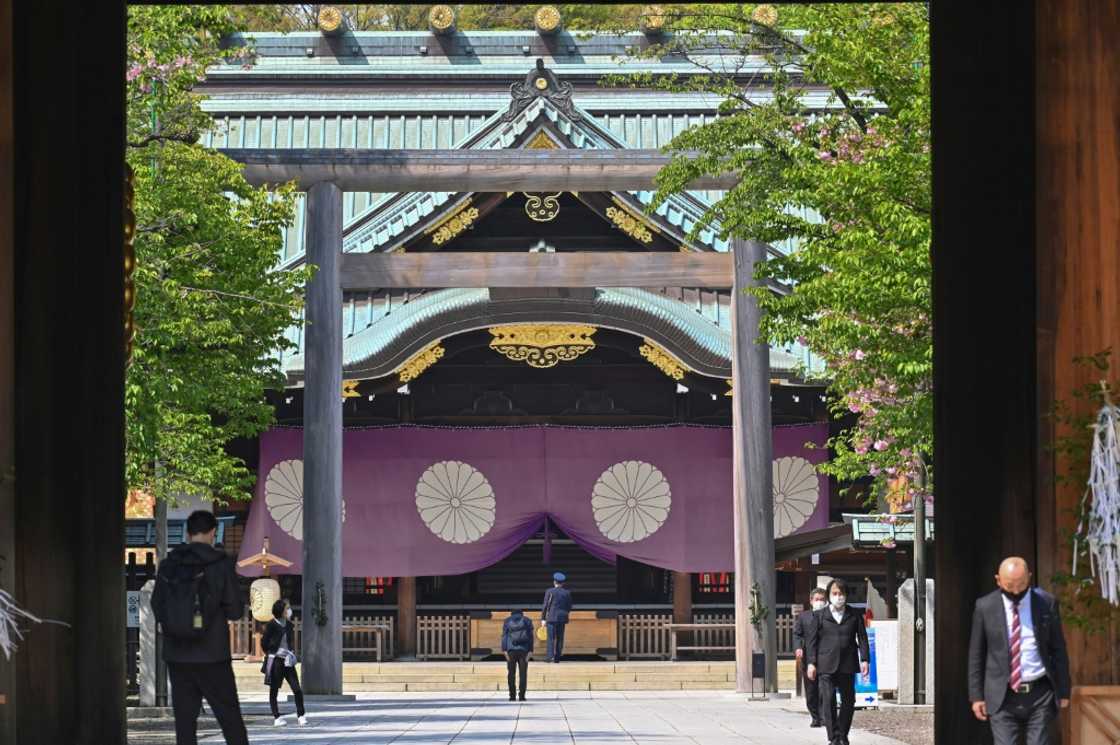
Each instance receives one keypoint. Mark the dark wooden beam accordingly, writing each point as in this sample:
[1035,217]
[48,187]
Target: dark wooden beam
[577,269]
[462,170]
[322,447]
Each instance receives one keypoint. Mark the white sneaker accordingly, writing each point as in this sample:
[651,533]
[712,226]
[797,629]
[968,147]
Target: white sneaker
[303,721]
[280,722]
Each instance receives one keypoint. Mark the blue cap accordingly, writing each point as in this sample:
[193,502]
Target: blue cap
[559,577]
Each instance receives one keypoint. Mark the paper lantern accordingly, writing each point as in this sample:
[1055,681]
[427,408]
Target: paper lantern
[262,594]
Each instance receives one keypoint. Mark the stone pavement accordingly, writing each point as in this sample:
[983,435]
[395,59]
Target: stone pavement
[547,718]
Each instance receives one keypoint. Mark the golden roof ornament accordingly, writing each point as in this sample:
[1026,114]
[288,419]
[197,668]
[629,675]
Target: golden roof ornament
[652,20]
[547,19]
[765,15]
[330,19]
[441,19]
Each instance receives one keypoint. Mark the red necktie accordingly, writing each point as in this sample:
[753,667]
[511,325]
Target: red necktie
[1016,648]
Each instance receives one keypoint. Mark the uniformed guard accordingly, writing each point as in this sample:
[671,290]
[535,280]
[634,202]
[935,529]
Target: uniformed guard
[554,615]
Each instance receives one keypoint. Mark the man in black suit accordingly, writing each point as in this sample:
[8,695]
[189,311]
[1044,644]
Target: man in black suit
[837,648]
[1018,669]
[801,630]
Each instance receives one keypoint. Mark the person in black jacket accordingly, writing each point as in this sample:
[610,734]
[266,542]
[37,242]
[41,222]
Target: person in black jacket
[280,661]
[1018,667]
[202,667]
[555,611]
[837,648]
[517,644]
[802,628]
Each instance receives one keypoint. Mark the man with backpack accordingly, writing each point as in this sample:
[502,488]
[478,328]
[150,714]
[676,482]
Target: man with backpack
[517,644]
[195,597]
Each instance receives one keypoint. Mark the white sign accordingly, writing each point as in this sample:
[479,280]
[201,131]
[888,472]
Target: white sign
[132,608]
[886,659]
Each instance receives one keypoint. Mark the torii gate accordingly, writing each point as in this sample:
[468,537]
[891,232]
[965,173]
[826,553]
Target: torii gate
[325,174]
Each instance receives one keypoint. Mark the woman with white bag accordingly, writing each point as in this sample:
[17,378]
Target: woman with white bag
[280,661]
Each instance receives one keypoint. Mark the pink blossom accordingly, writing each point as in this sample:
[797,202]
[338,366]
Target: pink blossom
[861,449]
[133,73]
[881,445]
[905,452]
[798,127]
[874,470]
[803,341]
[859,354]
[892,471]
[824,155]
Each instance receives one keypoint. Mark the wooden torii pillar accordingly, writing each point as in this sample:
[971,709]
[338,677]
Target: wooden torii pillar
[323,174]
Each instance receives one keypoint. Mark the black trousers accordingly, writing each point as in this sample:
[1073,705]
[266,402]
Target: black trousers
[555,641]
[517,662]
[837,723]
[280,673]
[812,693]
[190,683]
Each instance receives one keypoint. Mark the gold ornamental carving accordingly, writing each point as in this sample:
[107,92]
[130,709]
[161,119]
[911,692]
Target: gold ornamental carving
[629,224]
[420,362]
[730,388]
[542,345]
[443,232]
[350,389]
[547,19]
[129,260]
[542,207]
[541,141]
[441,19]
[330,19]
[662,360]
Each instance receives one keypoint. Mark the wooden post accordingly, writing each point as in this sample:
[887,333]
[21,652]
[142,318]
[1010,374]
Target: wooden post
[753,502]
[322,447]
[682,601]
[406,617]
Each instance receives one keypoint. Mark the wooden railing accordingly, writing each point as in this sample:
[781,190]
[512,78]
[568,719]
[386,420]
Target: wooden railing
[443,637]
[244,636]
[643,636]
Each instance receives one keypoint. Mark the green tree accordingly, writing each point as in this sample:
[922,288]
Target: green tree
[845,182]
[210,308]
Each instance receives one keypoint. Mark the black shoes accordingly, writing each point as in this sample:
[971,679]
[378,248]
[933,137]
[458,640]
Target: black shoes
[522,697]
[816,723]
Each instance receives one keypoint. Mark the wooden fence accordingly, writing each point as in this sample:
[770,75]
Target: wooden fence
[243,636]
[443,637]
[643,635]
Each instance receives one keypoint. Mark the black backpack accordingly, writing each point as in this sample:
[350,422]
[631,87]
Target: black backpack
[186,609]
[521,635]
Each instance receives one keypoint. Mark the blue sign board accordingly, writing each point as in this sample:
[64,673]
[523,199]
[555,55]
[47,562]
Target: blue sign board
[867,690]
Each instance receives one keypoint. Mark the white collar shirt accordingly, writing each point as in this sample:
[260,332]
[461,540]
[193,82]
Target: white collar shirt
[837,615]
[1030,661]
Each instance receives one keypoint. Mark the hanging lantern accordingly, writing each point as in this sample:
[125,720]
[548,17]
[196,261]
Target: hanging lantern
[263,593]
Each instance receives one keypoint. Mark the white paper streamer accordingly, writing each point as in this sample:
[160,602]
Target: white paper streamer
[10,617]
[1100,523]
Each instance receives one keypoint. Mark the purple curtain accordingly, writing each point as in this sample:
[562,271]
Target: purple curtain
[438,501]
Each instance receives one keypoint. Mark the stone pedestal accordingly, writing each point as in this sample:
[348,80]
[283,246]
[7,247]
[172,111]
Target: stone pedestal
[906,642]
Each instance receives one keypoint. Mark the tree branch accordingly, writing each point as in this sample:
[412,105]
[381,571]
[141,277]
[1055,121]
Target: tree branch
[190,138]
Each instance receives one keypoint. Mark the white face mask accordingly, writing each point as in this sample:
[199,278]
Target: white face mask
[838,602]
[288,613]
[818,604]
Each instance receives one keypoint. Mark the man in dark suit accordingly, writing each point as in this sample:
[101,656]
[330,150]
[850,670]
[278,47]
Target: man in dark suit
[837,648]
[802,627]
[1018,669]
[554,615]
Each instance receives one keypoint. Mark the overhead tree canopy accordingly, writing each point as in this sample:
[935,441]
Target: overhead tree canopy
[210,309]
[846,186]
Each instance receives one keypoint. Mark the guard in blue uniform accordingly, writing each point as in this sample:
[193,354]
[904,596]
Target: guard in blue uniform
[554,615]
